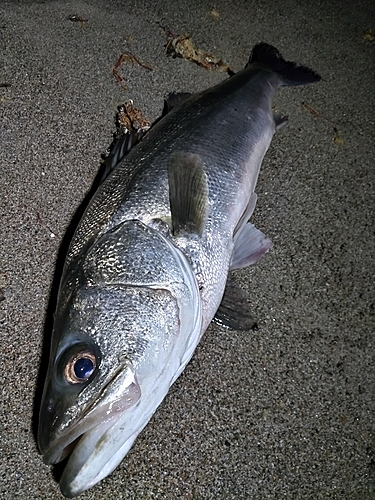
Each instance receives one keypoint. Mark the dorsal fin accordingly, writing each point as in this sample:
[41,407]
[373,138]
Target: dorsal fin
[120,148]
[131,127]
[188,193]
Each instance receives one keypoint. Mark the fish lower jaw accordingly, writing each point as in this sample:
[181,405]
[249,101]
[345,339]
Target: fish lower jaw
[73,482]
[80,474]
[98,452]
[66,445]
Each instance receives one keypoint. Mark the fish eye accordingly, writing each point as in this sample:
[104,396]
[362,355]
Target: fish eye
[80,367]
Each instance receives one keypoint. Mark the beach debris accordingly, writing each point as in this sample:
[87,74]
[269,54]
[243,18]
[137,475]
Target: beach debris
[78,19]
[131,126]
[41,222]
[130,118]
[127,57]
[369,35]
[214,13]
[311,110]
[182,46]
[337,139]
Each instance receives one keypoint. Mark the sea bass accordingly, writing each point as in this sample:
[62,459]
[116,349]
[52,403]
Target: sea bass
[148,266]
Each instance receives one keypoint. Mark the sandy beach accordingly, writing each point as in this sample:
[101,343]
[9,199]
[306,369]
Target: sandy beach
[286,412]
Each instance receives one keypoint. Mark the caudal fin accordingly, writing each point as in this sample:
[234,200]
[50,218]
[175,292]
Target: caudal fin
[292,74]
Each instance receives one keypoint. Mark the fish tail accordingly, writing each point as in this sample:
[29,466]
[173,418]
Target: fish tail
[290,73]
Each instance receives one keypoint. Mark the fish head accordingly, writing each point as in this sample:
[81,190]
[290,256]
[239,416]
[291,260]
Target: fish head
[116,349]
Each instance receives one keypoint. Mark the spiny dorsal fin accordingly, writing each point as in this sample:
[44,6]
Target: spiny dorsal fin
[188,193]
[121,147]
[131,126]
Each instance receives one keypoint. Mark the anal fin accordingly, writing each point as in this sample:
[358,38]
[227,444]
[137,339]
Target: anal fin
[234,310]
[188,193]
[250,245]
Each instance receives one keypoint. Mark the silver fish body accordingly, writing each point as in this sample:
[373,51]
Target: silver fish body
[147,268]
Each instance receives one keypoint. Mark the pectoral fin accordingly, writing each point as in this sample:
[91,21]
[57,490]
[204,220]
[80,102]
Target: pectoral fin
[188,193]
[234,309]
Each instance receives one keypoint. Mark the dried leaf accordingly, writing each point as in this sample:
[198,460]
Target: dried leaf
[78,19]
[214,13]
[369,35]
[130,119]
[337,139]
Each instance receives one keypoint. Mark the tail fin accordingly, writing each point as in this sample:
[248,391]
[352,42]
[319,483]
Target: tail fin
[268,56]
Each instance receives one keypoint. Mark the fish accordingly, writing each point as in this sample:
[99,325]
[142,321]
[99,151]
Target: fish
[149,265]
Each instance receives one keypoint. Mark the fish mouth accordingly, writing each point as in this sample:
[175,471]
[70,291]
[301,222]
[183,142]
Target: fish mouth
[120,393]
[99,451]
[91,458]
[97,448]
[63,446]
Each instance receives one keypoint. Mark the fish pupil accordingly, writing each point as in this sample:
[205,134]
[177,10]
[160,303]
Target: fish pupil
[83,368]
